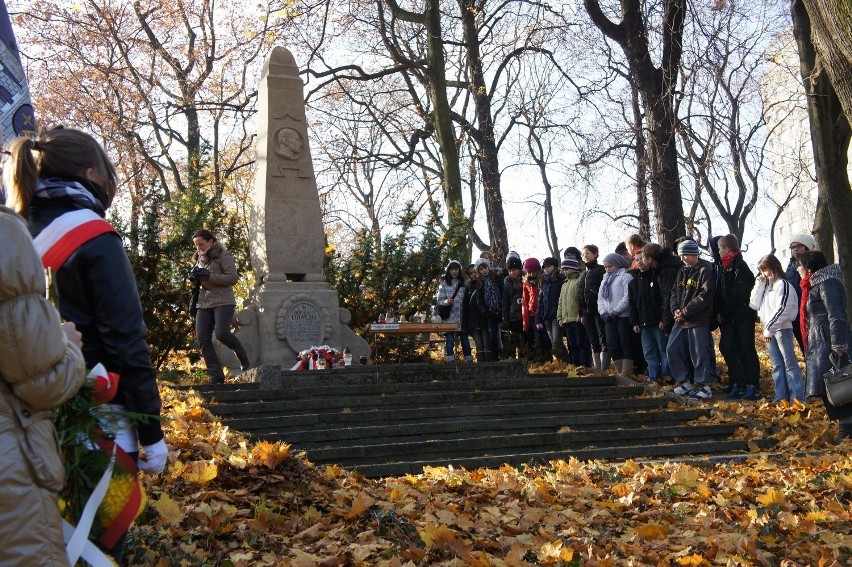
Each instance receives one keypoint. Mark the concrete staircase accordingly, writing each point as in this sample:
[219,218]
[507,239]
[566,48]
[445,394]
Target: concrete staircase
[395,419]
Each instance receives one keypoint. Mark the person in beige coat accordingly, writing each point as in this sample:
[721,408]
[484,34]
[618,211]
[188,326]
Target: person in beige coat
[216,272]
[41,367]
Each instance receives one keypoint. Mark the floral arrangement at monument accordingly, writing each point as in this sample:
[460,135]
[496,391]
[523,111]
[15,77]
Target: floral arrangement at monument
[318,358]
[86,427]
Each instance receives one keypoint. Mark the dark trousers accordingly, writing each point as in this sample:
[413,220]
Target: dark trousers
[594,326]
[619,339]
[737,346]
[578,344]
[218,320]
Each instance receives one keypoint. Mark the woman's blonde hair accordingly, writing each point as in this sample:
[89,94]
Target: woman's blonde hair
[55,152]
[773,264]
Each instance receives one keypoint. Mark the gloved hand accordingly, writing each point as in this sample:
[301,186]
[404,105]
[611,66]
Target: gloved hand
[203,272]
[155,457]
[539,326]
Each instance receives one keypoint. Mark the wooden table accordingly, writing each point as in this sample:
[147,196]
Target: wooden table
[391,331]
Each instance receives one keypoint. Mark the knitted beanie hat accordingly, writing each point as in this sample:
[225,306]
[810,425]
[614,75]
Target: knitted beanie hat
[805,239]
[688,248]
[513,262]
[512,254]
[616,260]
[531,265]
[482,262]
[550,261]
[570,264]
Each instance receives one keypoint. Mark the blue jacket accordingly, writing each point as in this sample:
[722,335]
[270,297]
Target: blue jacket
[828,327]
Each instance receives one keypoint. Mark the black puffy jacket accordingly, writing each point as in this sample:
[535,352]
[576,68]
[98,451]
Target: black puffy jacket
[98,293]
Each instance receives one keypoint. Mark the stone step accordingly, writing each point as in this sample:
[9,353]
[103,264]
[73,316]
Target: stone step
[262,418]
[524,443]
[461,428]
[581,387]
[637,451]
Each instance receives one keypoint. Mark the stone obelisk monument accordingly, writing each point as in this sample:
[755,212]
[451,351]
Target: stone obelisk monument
[292,307]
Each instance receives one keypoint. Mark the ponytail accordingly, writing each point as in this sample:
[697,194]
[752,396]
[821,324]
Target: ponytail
[56,152]
[20,174]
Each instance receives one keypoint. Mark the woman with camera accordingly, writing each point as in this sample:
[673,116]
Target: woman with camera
[216,272]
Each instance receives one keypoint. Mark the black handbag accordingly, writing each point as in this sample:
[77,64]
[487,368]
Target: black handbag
[838,382]
[445,310]
[193,300]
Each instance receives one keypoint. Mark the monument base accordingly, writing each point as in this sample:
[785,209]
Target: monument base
[283,318]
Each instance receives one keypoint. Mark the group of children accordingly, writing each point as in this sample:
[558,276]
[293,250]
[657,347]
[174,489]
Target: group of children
[642,308]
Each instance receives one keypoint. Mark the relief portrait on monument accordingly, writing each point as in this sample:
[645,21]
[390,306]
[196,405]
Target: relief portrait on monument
[288,143]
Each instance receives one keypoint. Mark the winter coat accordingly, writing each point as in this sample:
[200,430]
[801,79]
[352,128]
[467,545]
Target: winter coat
[445,292]
[739,281]
[587,290]
[792,276]
[529,304]
[218,289]
[776,304]
[618,301]
[693,294]
[39,370]
[645,301]
[512,298]
[569,308]
[828,328]
[665,275]
[548,298]
[97,292]
[474,311]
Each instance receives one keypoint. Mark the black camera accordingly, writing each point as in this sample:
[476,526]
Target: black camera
[196,273]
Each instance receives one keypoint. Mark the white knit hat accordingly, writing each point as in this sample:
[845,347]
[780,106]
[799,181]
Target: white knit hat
[805,239]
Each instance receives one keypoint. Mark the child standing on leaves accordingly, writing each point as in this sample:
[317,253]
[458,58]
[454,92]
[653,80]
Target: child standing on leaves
[451,294]
[568,314]
[548,304]
[614,308]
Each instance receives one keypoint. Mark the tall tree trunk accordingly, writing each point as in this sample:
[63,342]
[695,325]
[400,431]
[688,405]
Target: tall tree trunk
[457,222]
[484,136]
[831,36]
[830,135]
[641,166]
[656,86]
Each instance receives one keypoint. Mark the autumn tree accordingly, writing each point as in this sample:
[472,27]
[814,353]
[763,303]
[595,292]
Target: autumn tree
[465,60]
[721,111]
[170,89]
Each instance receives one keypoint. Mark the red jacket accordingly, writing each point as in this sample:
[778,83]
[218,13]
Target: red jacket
[529,305]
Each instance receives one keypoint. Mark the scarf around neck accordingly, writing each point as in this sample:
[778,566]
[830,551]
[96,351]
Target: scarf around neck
[728,259]
[805,284]
[82,193]
[606,288]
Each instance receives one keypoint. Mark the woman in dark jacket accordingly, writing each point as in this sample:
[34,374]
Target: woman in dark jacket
[587,298]
[60,181]
[825,329]
[513,287]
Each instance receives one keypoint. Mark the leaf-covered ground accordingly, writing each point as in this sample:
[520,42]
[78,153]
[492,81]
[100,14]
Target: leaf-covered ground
[226,501]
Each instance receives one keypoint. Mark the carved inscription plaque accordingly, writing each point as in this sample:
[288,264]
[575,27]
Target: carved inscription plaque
[304,326]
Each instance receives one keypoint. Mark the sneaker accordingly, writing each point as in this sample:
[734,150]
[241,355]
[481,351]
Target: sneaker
[683,389]
[752,393]
[702,393]
[736,392]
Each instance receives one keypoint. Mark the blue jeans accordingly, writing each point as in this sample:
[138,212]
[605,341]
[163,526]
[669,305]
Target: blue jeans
[654,343]
[789,384]
[451,343]
[688,354]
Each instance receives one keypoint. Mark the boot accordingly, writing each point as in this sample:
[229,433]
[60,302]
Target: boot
[596,360]
[845,431]
[605,360]
[627,368]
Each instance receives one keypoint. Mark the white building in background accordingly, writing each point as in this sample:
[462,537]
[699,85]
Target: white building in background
[789,152]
